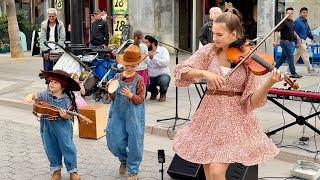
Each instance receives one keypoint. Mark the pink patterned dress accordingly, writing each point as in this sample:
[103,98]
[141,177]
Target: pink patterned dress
[224,129]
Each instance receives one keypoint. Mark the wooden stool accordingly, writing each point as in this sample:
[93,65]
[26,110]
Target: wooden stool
[97,113]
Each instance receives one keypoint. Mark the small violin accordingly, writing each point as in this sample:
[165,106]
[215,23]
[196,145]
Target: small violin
[45,108]
[259,63]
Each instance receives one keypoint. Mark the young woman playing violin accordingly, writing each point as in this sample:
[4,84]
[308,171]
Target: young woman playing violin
[224,129]
[57,133]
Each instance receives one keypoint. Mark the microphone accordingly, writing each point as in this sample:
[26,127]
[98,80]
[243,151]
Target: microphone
[124,78]
[54,97]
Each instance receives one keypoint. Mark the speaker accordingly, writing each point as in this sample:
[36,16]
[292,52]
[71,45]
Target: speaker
[185,170]
[182,169]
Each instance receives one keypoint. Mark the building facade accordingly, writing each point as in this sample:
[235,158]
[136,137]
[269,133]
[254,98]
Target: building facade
[174,22]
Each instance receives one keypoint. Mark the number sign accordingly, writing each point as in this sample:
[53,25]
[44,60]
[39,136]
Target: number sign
[118,23]
[120,7]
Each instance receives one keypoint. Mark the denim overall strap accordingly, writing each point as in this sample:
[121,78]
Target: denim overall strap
[125,129]
[57,138]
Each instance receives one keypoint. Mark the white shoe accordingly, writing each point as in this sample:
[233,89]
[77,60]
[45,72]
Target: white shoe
[313,72]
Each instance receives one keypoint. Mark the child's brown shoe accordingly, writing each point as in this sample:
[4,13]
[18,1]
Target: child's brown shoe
[56,175]
[74,176]
[133,177]
[123,168]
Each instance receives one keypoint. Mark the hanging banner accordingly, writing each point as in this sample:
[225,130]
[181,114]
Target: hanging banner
[119,22]
[119,7]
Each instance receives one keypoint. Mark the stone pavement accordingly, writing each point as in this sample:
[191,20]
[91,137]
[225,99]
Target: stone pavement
[23,157]
[19,77]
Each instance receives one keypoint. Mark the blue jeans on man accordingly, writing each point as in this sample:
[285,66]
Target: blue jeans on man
[163,82]
[287,54]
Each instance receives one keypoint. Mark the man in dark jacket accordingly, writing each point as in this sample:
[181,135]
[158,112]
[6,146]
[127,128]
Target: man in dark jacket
[99,32]
[206,31]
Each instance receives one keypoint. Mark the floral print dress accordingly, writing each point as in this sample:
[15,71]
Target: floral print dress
[224,129]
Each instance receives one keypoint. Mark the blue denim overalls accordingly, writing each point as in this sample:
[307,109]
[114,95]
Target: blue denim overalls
[125,129]
[57,135]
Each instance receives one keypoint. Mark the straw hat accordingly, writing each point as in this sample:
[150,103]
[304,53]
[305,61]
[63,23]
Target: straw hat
[131,56]
[63,77]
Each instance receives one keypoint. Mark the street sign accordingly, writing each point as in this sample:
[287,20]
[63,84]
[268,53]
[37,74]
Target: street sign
[58,4]
[120,7]
[118,23]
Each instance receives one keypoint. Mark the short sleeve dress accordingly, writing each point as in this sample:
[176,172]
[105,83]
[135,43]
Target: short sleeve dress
[224,129]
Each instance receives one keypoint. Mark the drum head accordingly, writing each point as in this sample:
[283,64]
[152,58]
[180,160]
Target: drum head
[113,85]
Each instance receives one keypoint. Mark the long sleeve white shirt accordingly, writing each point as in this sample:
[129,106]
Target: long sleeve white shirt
[159,64]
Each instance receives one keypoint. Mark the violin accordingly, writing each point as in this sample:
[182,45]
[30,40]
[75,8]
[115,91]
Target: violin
[45,108]
[259,63]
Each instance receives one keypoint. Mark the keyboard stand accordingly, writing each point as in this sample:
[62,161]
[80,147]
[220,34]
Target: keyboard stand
[300,120]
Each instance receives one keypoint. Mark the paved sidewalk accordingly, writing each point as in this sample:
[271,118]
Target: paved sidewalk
[23,157]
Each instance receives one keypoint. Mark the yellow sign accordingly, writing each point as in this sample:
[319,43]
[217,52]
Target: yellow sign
[118,24]
[120,7]
[58,4]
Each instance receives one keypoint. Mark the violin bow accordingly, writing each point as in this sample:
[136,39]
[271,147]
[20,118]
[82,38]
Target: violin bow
[256,47]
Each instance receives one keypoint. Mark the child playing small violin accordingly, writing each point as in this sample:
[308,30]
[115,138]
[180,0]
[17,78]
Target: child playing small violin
[57,133]
[80,101]
[125,129]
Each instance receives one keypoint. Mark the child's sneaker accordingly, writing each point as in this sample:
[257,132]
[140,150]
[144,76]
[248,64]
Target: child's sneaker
[123,167]
[313,72]
[133,177]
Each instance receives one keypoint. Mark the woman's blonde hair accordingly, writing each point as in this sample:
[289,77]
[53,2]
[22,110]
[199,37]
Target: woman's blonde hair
[233,24]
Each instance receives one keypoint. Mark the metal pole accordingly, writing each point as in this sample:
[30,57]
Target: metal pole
[76,14]
[194,25]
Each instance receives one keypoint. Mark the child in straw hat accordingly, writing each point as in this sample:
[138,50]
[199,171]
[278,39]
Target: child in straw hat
[125,129]
[57,133]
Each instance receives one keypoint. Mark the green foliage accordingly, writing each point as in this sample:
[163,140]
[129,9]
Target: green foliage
[3,24]
[23,23]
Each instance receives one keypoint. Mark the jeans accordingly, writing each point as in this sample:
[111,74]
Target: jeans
[47,65]
[162,81]
[57,138]
[287,54]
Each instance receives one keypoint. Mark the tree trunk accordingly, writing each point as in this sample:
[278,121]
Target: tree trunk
[13,30]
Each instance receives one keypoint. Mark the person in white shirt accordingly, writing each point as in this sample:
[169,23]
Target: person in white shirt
[51,30]
[158,68]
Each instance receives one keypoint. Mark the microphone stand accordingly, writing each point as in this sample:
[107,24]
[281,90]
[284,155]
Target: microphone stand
[176,118]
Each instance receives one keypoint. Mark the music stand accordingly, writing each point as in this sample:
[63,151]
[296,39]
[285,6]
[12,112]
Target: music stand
[176,118]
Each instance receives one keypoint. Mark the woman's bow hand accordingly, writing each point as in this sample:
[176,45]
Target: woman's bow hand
[215,80]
